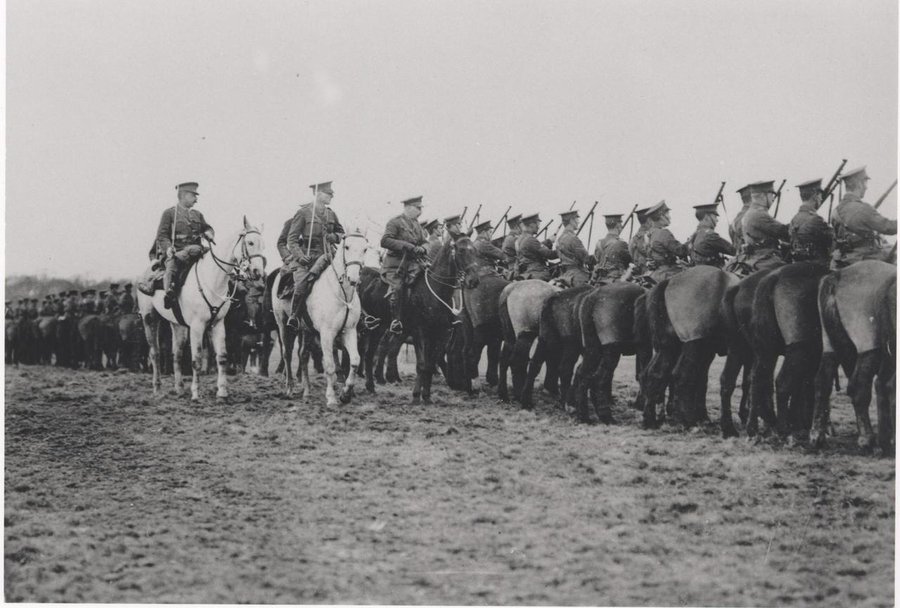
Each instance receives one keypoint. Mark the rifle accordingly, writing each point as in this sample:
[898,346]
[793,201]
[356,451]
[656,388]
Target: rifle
[829,188]
[778,197]
[630,216]
[720,198]
[474,219]
[500,221]
[589,215]
[543,230]
[884,196]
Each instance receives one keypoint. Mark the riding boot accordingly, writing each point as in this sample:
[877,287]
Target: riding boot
[169,283]
[396,312]
[298,304]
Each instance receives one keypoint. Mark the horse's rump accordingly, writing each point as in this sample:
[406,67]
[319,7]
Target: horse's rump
[614,311]
[855,290]
[482,303]
[524,302]
[793,295]
[692,300]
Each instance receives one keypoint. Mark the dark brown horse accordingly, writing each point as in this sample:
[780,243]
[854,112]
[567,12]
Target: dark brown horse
[606,318]
[481,312]
[785,321]
[373,325]
[687,330]
[857,306]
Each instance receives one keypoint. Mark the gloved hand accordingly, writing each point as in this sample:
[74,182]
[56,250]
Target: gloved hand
[548,243]
[333,238]
[304,259]
[419,250]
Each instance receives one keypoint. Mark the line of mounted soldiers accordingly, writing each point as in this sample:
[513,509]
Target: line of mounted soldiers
[757,240]
[89,301]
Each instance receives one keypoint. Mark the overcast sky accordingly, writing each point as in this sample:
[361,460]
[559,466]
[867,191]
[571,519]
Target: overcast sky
[535,104]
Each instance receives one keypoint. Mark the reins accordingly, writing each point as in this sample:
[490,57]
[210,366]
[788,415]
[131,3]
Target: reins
[235,274]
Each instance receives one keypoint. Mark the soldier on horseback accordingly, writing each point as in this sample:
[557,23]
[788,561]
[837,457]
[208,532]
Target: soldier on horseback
[810,235]
[531,254]
[858,225]
[435,240]
[88,306]
[487,253]
[736,231]
[611,251]
[639,247]
[509,244]
[762,232]
[178,237]
[705,246]
[664,247]
[405,241]
[126,300]
[314,229]
[452,228]
[573,257]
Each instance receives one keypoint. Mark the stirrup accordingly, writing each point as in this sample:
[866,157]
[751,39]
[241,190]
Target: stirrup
[294,323]
[169,300]
[396,327]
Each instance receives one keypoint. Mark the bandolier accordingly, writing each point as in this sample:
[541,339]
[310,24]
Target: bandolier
[531,254]
[857,225]
[706,247]
[810,235]
[761,232]
[611,251]
[573,257]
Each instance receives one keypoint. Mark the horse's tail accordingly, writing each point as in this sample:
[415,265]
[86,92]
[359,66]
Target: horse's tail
[547,329]
[763,323]
[831,316]
[641,324]
[506,327]
[657,315]
[268,314]
[727,310]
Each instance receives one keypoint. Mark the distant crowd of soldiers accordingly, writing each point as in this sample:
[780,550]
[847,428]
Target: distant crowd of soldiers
[89,301]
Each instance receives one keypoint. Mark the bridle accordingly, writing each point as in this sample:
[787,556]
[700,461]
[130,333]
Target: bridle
[456,281]
[346,299]
[237,272]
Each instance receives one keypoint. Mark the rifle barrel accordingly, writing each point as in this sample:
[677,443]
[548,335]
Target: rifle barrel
[885,195]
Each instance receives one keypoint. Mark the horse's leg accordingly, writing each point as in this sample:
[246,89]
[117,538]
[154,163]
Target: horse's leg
[287,359]
[655,378]
[474,358]
[179,338]
[859,388]
[533,369]
[419,342]
[884,395]
[350,338]
[609,360]
[727,384]
[396,343]
[506,350]
[761,392]
[329,366]
[493,354]
[642,356]
[385,344]
[433,350]
[371,345]
[151,331]
[305,339]
[824,376]
[570,354]
[198,358]
[519,363]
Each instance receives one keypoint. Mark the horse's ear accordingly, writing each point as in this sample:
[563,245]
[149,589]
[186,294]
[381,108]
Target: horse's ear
[246,223]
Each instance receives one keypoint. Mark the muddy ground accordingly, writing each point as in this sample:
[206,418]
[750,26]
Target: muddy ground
[112,495]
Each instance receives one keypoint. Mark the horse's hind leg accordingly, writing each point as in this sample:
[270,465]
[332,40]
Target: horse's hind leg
[541,352]
[329,366]
[151,331]
[655,379]
[519,363]
[860,390]
[885,399]
[609,360]
[727,384]
[506,350]
[493,355]
[761,388]
[217,337]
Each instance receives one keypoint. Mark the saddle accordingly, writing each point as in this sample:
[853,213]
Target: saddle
[152,279]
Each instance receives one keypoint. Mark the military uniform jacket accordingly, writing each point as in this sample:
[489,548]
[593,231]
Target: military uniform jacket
[612,253]
[639,248]
[509,248]
[126,302]
[572,252]
[433,246]
[531,254]
[858,224]
[189,226]
[401,234]
[761,230]
[304,230]
[282,245]
[810,235]
[664,247]
[707,247]
[486,252]
[736,230]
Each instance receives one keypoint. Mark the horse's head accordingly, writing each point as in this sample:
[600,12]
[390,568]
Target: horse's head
[463,255]
[251,260]
[353,255]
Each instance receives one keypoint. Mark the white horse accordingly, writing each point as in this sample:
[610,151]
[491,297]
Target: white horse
[333,306]
[204,301]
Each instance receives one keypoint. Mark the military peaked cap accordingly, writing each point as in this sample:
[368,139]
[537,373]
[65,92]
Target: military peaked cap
[642,214]
[429,226]
[113,286]
[188,187]
[810,188]
[102,293]
[762,187]
[854,172]
[708,208]
[323,187]
[514,220]
[416,200]
[498,242]
[565,215]
[659,207]
[126,286]
[534,217]
[483,226]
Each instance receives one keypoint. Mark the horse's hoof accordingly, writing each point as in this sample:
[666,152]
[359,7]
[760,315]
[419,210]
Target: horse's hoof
[195,398]
[222,398]
[416,401]
[346,396]
[728,431]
